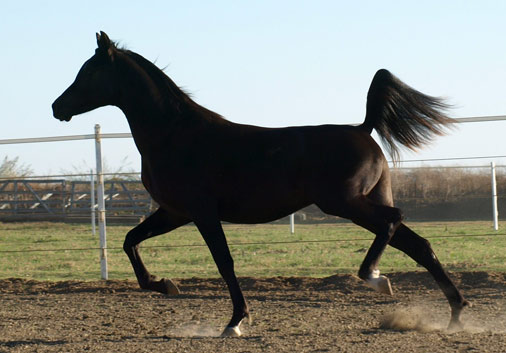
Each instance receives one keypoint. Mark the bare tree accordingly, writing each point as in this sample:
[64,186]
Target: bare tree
[12,168]
[122,172]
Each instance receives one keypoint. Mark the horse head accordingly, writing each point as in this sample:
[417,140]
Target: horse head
[94,85]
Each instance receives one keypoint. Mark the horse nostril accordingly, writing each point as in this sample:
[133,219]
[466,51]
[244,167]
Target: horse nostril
[56,110]
[57,113]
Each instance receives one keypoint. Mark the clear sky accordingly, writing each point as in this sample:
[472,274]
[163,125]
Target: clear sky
[270,63]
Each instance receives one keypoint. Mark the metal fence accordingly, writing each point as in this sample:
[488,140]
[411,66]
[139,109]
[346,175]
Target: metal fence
[64,200]
[55,197]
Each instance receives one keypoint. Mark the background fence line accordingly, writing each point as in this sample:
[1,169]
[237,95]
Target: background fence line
[252,243]
[129,135]
[98,136]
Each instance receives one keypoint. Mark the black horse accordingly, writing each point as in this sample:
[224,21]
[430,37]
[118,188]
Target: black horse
[202,168]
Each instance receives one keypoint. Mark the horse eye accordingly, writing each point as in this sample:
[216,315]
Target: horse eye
[88,69]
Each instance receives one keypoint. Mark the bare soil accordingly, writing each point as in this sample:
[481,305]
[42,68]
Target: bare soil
[334,314]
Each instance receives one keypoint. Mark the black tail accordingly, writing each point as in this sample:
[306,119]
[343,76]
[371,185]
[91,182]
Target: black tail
[402,115]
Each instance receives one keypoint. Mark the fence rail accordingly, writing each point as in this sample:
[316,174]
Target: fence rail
[28,199]
[33,199]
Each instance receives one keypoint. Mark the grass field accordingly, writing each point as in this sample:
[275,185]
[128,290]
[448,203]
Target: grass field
[58,251]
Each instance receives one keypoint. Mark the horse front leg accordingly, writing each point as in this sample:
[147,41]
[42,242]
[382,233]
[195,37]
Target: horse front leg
[157,223]
[213,234]
[419,249]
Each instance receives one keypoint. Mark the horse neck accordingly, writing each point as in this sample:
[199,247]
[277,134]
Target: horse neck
[150,114]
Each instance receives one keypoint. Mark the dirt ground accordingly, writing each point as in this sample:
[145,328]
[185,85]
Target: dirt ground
[334,314]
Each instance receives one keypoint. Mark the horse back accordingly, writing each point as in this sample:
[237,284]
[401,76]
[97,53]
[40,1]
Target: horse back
[270,172]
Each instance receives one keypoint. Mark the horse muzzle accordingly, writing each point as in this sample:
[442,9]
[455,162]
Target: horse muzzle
[59,113]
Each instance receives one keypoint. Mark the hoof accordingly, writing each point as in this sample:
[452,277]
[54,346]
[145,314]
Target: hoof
[231,331]
[169,287]
[380,284]
[455,326]
[165,286]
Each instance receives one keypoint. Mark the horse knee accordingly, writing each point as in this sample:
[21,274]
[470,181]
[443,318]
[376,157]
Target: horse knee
[225,267]
[129,244]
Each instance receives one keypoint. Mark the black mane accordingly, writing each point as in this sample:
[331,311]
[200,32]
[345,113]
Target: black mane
[169,93]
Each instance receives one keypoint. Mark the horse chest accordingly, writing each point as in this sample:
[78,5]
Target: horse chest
[159,187]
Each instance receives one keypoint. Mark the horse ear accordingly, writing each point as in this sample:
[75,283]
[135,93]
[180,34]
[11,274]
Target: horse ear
[103,40]
[105,44]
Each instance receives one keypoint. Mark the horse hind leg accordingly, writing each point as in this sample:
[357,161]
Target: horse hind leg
[381,220]
[419,249]
[384,225]
[157,223]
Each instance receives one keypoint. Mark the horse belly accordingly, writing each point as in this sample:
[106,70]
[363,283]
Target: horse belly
[261,206]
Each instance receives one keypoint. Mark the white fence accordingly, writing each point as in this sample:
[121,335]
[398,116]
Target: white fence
[98,136]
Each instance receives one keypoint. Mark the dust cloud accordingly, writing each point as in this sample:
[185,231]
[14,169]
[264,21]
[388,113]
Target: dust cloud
[419,319]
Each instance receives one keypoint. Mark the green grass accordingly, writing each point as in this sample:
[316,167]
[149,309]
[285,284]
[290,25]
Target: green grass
[47,251]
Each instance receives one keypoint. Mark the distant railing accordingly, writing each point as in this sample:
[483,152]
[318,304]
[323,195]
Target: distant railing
[26,199]
[31,197]
[41,200]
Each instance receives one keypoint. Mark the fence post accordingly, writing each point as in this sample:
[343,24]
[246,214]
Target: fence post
[15,196]
[92,201]
[495,213]
[101,205]
[292,223]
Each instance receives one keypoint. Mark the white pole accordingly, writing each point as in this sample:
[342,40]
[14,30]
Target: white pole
[292,223]
[92,194]
[101,205]
[495,213]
